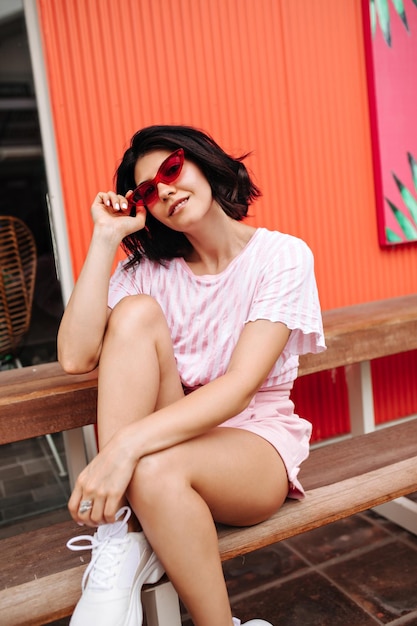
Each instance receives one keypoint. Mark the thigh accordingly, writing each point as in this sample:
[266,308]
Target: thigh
[138,372]
[238,474]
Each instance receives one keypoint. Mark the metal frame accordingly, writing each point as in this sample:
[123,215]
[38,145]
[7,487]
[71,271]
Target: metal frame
[80,446]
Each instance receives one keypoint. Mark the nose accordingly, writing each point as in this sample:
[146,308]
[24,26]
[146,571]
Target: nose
[165,190]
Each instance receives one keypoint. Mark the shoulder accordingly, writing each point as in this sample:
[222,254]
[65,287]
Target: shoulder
[279,245]
[140,274]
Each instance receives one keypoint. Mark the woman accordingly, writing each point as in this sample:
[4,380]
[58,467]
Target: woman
[197,335]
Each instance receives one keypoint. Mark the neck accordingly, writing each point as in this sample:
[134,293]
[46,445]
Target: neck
[215,247]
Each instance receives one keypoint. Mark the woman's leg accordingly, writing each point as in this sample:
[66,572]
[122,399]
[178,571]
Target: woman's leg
[137,372]
[177,492]
[231,475]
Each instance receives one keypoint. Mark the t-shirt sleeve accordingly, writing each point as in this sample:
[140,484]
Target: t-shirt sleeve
[287,293]
[122,283]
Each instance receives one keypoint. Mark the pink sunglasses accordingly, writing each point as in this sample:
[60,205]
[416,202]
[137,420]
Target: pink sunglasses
[147,192]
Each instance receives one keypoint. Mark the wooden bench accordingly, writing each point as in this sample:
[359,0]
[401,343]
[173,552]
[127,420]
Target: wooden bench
[40,578]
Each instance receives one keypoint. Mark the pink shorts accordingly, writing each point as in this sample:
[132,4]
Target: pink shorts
[271,416]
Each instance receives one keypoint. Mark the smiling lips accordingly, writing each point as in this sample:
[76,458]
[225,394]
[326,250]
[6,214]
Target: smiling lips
[177,205]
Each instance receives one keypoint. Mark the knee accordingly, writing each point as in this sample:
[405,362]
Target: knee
[134,313]
[156,476]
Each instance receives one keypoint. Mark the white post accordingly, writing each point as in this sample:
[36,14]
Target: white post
[161,605]
[361,402]
[401,511]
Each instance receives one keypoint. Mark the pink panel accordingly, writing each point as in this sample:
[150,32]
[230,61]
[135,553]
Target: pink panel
[391,38]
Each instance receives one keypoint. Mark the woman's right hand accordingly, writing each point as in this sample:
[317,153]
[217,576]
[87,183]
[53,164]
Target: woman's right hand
[84,321]
[111,210]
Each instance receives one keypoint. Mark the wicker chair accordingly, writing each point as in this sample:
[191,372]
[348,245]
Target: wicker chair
[18,261]
[17,281]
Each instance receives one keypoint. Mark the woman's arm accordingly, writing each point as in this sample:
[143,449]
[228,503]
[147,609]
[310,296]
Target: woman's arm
[257,350]
[107,477]
[82,327]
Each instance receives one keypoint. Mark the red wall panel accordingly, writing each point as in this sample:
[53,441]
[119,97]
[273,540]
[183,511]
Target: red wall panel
[283,78]
[322,399]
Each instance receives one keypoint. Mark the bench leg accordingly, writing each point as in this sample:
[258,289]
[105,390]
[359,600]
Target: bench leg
[74,453]
[80,448]
[361,402]
[161,605]
[401,511]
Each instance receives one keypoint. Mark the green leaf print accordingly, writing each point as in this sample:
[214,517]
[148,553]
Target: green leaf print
[407,224]
[413,167]
[410,232]
[391,236]
[409,200]
[399,7]
[380,13]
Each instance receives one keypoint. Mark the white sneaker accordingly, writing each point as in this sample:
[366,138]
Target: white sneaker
[121,563]
[252,622]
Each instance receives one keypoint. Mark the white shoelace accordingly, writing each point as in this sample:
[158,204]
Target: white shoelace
[107,552]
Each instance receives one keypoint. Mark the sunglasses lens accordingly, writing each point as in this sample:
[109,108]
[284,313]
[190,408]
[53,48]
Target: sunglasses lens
[148,192]
[169,171]
[171,168]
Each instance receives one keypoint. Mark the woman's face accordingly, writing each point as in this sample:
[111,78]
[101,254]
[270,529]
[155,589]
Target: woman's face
[181,203]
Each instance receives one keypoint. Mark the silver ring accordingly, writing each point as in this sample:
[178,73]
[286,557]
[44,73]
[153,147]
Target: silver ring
[85,506]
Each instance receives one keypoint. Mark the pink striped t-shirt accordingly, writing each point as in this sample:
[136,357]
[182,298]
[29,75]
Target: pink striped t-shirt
[272,278]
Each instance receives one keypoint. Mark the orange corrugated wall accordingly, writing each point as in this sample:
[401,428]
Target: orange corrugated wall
[285,79]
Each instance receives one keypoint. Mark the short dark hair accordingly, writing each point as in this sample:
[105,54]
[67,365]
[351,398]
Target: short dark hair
[228,178]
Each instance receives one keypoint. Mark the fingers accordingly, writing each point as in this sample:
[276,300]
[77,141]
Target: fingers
[93,510]
[110,204]
[100,489]
[89,507]
[112,200]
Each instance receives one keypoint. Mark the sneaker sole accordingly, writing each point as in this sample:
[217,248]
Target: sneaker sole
[151,573]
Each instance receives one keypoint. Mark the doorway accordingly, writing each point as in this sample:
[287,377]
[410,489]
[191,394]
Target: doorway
[23,179]
[33,477]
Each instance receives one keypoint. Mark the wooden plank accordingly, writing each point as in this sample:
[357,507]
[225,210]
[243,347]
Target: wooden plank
[349,459]
[54,595]
[375,468]
[41,380]
[44,399]
[54,414]
[39,553]
[364,332]
[323,506]
[364,453]
[39,602]
[40,579]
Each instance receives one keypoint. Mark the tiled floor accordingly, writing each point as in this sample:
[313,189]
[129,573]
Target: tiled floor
[356,572]
[361,571]
[30,481]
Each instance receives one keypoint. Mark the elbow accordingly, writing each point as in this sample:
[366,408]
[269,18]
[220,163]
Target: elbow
[76,365]
[75,358]
[246,400]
